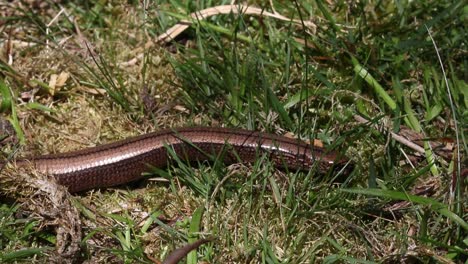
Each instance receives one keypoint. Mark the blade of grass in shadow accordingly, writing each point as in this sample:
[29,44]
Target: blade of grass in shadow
[395,195]
[276,104]
[327,14]
[412,178]
[372,180]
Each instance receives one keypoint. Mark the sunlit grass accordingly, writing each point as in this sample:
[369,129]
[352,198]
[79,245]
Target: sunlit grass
[374,60]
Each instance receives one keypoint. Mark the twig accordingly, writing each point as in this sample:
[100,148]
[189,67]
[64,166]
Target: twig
[395,136]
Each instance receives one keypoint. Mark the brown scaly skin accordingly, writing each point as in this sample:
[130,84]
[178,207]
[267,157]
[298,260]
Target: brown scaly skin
[124,161]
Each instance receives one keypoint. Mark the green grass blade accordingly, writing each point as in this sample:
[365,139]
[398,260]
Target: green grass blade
[22,254]
[278,107]
[38,106]
[16,125]
[6,96]
[194,228]
[364,74]
[147,224]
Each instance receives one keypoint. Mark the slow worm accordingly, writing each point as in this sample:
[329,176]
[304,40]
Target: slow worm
[124,161]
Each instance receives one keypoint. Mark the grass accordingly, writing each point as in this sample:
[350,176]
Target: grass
[375,59]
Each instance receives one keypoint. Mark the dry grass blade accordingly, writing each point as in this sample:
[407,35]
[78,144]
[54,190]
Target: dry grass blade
[174,31]
[456,179]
